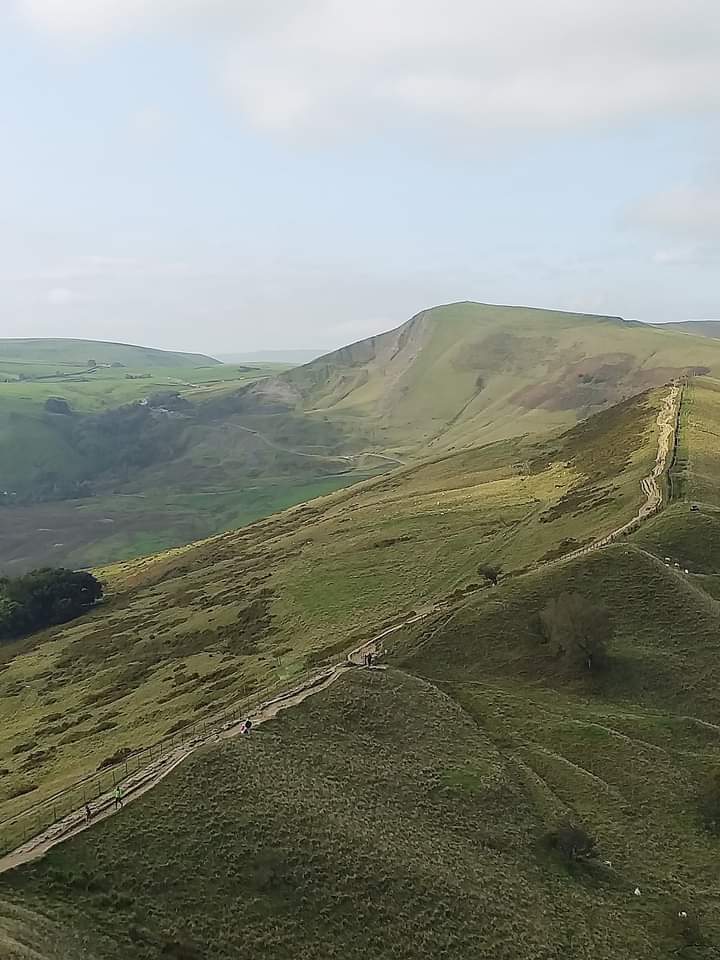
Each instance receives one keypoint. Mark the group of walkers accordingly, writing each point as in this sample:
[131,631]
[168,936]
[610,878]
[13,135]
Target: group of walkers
[246,726]
[118,795]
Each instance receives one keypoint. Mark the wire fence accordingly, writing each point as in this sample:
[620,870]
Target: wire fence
[66,808]
[96,789]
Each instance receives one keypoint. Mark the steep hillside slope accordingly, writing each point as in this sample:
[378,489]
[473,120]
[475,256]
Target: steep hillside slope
[402,812]
[388,818]
[246,444]
[187,632]
[78,352]
[105,464]
[468,372]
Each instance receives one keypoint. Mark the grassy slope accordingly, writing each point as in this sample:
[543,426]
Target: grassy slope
[76,353]
[452,377]
[386,819]
[467,373]
[399,816]
[699,328]
[217,475]
[206,624]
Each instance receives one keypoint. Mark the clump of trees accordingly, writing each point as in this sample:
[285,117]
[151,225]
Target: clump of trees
[579,630]
[43,598]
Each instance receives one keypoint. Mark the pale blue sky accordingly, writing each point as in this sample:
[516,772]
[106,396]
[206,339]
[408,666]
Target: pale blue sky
[197,174]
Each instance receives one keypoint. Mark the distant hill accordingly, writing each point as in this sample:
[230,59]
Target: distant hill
[271,356]
[469,372]
[78,352]
[700,328]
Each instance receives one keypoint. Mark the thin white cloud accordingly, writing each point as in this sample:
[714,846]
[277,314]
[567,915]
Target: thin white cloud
[683,210]
[62,297]
[329,64]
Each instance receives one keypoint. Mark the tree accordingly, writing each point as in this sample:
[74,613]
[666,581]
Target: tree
[43,598]
[572,842]
[579,629]
[491,572]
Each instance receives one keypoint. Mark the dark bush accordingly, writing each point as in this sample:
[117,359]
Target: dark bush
[573,843]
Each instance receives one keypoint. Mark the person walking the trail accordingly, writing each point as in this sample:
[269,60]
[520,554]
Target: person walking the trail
[247,727]
[88,813]
[118,797]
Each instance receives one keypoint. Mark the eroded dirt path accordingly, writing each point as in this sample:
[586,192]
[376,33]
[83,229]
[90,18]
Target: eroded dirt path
[650,485]
[148,777]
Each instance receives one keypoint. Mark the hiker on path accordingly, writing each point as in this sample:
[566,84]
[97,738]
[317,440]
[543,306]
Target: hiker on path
[118,797]
[88,813]
[369,660]
[247,727]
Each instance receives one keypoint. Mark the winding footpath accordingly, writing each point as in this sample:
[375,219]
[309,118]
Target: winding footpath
[149,776]
[667,421]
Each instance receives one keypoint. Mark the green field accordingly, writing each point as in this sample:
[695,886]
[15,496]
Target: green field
[97,482]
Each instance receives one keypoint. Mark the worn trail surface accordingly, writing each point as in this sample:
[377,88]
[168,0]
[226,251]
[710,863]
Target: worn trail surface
[650,485]
[144,779]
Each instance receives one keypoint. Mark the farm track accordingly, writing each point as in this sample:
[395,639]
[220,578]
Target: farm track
[148,777]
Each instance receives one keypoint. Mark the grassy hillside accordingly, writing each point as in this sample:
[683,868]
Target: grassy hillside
[389,819]
[207,624]
[257,439]
[88,476]
[77,353]
[699,328]
[468,372]
[401,813]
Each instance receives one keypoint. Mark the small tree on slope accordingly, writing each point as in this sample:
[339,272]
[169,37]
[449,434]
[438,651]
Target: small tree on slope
[579,629]
[491,572]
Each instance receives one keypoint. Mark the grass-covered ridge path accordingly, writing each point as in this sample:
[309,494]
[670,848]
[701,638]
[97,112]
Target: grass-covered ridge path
[147,777]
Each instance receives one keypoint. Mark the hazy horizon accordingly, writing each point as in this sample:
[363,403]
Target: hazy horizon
[234,356]
[216,176]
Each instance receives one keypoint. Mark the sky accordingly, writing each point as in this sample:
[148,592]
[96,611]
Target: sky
[227,175]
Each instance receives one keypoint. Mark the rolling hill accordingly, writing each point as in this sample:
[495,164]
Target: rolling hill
[109,481]
[699,328]
[405,811]
[203,625]
[76,353]
[467,373]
